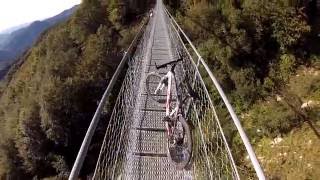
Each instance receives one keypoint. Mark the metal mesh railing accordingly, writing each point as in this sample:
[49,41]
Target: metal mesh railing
[115,145]
[212,158]
[212,116]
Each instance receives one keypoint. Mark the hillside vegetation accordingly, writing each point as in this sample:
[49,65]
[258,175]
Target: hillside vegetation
[51,94]
[266,55]
[17,42]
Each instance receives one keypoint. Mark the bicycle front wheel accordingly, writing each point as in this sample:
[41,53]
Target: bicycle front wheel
[152,83]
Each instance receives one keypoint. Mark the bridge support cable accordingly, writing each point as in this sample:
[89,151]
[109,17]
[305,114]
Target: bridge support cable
[176,29]
[94,122]
[113,154]
[213,159]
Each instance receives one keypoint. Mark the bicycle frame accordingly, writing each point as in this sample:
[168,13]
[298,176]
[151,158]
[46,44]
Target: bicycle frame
[174,113]
[179,140]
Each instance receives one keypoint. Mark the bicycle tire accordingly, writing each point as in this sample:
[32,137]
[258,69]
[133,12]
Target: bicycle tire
[152,82]
[181,164]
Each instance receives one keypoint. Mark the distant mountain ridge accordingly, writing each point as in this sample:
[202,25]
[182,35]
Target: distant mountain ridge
[14,44]
[12,29]
[3,38]
[5,55]
[20,40]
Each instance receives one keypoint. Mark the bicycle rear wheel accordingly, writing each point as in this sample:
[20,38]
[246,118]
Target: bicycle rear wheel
[152,82]
[180,151]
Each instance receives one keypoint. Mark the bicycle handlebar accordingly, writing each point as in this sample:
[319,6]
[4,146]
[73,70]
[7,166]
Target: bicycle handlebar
[169,63]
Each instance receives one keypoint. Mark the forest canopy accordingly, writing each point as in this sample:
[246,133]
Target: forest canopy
[265,54]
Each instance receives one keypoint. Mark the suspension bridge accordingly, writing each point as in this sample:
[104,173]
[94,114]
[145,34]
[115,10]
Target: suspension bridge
[134,146]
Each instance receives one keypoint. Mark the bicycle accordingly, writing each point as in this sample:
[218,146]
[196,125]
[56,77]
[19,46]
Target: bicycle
[159,89]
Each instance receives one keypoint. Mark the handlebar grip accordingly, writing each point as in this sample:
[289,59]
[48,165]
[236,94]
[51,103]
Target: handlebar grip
[161,66]
[169,63]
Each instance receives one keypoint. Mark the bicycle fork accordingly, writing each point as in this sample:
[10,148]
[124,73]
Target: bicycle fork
[168,115]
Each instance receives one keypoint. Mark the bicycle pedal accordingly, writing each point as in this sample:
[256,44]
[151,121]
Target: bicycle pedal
[179,141]
[171,140]
[166,119]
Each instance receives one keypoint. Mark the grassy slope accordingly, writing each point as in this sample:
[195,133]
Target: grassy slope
[297,155]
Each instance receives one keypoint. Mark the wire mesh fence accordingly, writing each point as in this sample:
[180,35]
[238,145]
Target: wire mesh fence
[212,158]
[115,144]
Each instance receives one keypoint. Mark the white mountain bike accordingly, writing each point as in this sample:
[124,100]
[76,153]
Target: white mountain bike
[159,89]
